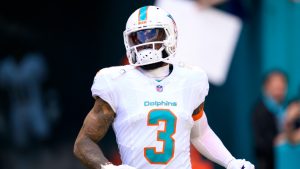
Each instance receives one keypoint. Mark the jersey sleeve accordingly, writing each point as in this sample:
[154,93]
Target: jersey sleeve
[103,88]
[200,90]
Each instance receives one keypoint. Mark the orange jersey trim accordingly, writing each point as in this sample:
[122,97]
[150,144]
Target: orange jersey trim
[198,115]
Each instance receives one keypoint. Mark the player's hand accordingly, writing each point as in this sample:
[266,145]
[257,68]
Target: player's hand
[240,164]
[111,166]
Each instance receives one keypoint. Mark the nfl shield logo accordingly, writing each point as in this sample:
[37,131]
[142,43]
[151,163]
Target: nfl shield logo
[159,88]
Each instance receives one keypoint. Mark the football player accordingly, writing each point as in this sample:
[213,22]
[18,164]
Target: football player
[156,107]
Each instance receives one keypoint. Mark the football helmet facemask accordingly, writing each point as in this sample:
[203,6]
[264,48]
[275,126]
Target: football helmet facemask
[150,32]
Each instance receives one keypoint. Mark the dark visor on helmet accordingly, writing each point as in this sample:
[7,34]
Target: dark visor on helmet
[147,35]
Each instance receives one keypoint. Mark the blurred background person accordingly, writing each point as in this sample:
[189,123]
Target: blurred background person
[287,148]
[268,116]
[21,78]
[31,110]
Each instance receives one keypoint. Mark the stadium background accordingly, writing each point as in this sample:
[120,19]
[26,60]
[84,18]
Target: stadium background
[78,38]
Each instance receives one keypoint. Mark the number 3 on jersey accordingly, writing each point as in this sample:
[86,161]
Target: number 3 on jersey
[154,117]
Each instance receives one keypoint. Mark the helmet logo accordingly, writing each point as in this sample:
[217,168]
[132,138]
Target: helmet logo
[143,15]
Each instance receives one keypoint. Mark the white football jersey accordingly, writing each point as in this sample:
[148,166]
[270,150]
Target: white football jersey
[153,119]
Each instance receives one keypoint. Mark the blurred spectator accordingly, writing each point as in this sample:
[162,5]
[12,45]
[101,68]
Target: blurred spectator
[22,79]
[267,117]
[29,110]
[287,150]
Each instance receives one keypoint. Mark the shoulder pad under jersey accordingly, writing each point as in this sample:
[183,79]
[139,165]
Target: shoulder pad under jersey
[114,72]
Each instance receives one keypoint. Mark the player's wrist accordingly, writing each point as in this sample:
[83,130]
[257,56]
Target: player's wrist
[230,161]
[240,164]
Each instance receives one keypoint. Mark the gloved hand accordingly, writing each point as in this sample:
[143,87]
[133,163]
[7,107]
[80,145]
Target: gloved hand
[240,164]
[111,166]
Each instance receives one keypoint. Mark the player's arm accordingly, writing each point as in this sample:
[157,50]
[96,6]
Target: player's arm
[209,144]
[93,130]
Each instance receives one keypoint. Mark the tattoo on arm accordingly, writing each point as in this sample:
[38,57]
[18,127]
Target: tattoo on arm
[93,130]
